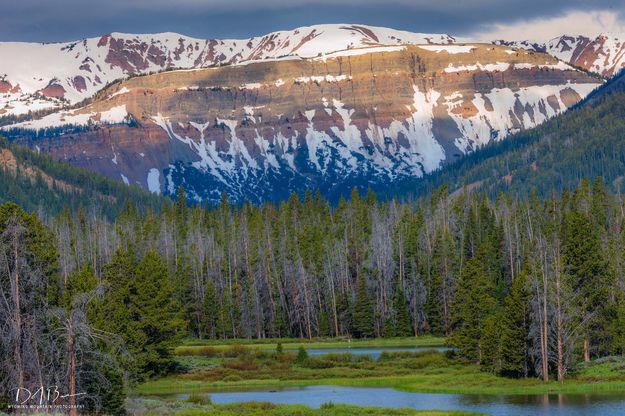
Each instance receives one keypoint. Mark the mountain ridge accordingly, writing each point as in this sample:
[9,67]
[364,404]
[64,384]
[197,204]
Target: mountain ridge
[603,54]
[73,71]
[70,72]
[262,130]
[326,106]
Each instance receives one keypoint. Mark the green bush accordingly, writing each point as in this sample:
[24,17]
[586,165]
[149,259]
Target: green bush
[327,405]
[318,363]
[235,351]
[302,355]
[204,351]
[201,399]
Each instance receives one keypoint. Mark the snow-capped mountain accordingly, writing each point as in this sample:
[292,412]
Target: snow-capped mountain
[604,55]
[36,76]
[364,115]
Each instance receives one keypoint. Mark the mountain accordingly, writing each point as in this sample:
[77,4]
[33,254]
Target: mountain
[41,77]
[604,55]
[38,183]
[260,130]
[585,142]
[37,76]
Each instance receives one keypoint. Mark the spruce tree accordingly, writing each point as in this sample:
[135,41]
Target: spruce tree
[402,327]
[617,327]
[587,268]
[210,311]
[490,344]
[158,315]
[141,307]
[515,329]
[473,304]
[443,270]
[363,323]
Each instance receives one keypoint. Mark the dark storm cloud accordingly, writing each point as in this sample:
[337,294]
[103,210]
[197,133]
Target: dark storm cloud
[62,20]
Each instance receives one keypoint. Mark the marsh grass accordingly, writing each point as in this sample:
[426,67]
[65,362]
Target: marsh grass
[193,346]
[158,407]
[422,371]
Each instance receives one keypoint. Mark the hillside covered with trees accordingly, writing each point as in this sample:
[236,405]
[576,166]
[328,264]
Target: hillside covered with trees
[38,183]
[585,142]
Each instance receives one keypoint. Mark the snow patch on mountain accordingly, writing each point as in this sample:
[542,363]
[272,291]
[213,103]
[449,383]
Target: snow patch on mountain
[154,181]
[604,54]
[52,75]
[450,49]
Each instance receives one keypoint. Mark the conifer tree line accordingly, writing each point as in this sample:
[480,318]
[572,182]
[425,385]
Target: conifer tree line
[521,287]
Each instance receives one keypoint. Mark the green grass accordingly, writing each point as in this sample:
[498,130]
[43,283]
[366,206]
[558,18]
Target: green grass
[196,346]
[156,407]
[426,371]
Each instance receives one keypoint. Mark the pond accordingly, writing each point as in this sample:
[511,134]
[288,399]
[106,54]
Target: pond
[496,405]
[373,352]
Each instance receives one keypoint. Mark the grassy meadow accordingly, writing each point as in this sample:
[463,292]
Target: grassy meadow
[202,407]
[248,365]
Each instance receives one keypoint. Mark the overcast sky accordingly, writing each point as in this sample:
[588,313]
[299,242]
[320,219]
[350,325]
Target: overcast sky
[65,20]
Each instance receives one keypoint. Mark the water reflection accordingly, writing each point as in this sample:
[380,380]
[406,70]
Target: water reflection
[374,353]
[496,405]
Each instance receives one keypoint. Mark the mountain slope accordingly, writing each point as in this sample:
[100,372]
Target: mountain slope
[42,76]
[260,130]
[585,142]
[604,55]
[38,183]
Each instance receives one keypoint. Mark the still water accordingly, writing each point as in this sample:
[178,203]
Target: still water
[496,405]
[374,353]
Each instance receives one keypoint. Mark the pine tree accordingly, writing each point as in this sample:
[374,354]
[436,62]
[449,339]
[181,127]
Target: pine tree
[115,314]
[158,315]
[473,304]
[444,266]
[210,311]
[141,307]
[363,324]
[588,270]
[490,344]
[82,281]
[402,327]
[515,329]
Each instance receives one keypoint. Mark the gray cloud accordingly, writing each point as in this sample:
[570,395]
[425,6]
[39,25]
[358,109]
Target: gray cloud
[62,20]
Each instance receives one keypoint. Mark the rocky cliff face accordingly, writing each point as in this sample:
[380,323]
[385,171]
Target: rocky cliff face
[51,76]
[43,76]
[604,55]
[259,130]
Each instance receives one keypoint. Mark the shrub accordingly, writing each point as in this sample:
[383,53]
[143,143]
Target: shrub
[339,357]
[236,351]
[242,364]
[232,377]
[302,355]
[204,351]
[201,399]
[318,363]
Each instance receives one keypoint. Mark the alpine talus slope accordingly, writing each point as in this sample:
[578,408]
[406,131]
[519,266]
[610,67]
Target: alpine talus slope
[259,130]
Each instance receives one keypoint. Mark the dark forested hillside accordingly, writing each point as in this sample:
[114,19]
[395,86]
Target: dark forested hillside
[587,141]
[38,183]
